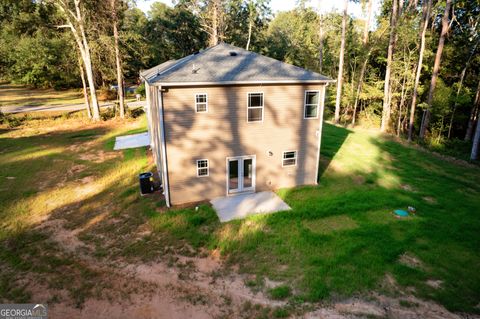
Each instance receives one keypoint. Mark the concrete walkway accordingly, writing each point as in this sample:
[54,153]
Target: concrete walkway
[132,141]
[241,206]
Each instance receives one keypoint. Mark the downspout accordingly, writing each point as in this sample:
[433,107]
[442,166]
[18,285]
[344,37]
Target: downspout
[320,127]
[149,112]
[166,189]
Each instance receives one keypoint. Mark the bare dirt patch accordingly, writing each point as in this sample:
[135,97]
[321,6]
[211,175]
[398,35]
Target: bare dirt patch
[87,179]
[407,188]
[77,168]
[360,308]
[358,179]
[380,306]
[410,261]
[66,238]
[99,156]
[437,284]
[430,199]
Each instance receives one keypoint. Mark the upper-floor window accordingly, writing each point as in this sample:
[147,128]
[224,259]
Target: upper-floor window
[201,103]
[255,107]
[289,158]
[202,167]
[312,99]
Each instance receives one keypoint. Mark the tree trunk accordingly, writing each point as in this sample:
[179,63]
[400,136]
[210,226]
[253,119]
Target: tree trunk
[367,23]
[427,5]
[340,64]
[214,36]
[320,37]
[386,88]
[79,35]
[460,85]
[476,141]
[91,81]
[412,4]
[402,101]
[473,115]
[84,84]
[249,35]
[436,68]
[120,90]
[88,62]
[365,62]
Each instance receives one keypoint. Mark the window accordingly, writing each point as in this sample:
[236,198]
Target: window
[255,107]
[201,103]
[289,158]
[202,167]
[311,104]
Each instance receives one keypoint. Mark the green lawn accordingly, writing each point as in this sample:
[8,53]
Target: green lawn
[19,95]
[339,240]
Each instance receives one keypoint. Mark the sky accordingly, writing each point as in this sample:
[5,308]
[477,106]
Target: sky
[354,9]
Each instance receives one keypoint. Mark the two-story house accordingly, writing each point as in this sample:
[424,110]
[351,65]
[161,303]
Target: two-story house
[225,121]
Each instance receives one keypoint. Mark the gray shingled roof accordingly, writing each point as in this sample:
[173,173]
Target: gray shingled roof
[217,65]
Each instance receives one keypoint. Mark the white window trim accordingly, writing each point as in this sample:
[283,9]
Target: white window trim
[199,168]
[256,107]
[206,102]
[305,105]
[283,158]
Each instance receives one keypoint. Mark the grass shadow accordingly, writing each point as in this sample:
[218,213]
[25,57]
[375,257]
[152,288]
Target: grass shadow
[336,136]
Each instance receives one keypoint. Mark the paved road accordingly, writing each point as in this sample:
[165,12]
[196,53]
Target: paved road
[65,107]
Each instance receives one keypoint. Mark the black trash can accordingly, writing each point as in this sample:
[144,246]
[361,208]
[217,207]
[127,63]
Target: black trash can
[146,183]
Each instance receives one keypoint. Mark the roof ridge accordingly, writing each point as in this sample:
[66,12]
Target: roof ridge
[218,66]
[185,59]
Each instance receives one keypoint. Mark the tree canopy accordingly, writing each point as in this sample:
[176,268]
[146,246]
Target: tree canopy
[35,51]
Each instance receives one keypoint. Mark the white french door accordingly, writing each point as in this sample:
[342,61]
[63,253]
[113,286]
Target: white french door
[240,174]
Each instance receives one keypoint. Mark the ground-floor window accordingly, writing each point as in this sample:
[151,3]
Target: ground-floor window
[289,158]
[202,167]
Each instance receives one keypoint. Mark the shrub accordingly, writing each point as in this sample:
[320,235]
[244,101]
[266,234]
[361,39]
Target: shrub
[107,114]
[140,90]
[370,117]
[10,120]
[455,147]
[105,94]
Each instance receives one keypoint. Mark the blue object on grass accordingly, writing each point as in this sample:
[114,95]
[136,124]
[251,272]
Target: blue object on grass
[400,212]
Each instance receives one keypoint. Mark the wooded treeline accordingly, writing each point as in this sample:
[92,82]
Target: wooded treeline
[413,71]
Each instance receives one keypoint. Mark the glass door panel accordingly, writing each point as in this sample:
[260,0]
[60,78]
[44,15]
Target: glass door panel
[241,174]
[247,173]
[233,176]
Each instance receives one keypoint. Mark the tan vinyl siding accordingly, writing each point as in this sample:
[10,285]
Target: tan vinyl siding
[224,132]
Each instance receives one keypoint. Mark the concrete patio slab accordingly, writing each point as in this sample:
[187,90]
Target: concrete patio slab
[241,206]
[132,141]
